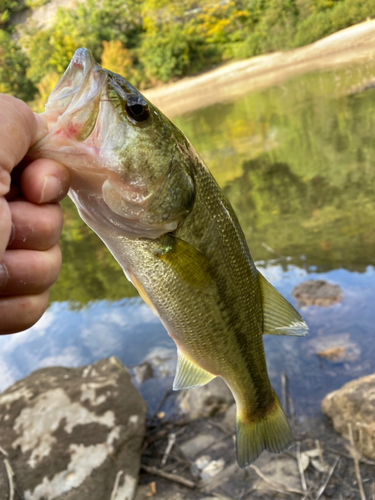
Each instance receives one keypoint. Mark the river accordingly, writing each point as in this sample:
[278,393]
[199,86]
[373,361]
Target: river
[297,161]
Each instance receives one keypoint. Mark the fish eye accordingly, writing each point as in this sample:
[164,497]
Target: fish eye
[137,110]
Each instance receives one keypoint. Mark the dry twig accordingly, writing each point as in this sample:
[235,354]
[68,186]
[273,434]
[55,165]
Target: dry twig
[300,468]
[167,393]
[115,486]
[345,455]
[307,493]
[324,486]
[5,453]
[356,463]
[171,442]
[277,487]
[171,477]
[203,450]
[10,478]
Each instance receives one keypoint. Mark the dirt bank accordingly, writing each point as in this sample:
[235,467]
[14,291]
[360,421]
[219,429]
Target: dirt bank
[349,46]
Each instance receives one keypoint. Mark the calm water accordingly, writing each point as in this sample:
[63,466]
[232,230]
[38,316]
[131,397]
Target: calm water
[298,164]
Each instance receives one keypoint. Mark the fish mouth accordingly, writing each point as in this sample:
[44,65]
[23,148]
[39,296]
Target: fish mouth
[72,108]
[81,83]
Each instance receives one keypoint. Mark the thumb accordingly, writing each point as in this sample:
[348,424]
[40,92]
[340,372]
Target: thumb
[41,128]
[20,128]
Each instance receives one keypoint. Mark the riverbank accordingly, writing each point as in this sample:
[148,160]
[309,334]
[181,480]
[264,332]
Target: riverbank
[351,46]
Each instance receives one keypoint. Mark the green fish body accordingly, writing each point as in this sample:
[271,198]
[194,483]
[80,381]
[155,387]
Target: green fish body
[139,184]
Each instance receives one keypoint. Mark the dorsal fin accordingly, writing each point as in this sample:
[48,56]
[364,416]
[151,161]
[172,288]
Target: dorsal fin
[279,317]
[189,374]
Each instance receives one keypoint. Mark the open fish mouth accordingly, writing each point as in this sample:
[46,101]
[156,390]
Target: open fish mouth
[80,86]
[73,108]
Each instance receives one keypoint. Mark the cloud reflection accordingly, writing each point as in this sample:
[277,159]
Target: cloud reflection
[128,329]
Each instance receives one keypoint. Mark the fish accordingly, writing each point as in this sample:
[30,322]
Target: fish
[140,185]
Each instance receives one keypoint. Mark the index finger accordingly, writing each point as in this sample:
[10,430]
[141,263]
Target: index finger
[20,128]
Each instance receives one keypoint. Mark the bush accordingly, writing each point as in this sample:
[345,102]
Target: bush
[13,66]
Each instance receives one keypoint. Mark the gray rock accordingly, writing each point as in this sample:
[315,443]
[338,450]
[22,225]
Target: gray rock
[143,372]
[230,417]
[73,433]
[281,470]
[317,293]
[336,348]
[193,446]
[206,401]
[354,404]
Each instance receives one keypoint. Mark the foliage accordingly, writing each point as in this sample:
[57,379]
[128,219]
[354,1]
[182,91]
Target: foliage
[297,165]
[88,25]
[117,59]
[13,67]
[151,41]
[7,9]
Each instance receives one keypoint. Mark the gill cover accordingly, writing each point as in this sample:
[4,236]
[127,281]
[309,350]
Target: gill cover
[153,211]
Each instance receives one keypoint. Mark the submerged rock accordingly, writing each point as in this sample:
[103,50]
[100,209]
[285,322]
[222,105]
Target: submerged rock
[73,433]
[336,348]
[317,293]
[143,372]
[212,398]
[354,404]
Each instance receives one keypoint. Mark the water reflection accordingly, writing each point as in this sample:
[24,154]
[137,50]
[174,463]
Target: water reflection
[297,162]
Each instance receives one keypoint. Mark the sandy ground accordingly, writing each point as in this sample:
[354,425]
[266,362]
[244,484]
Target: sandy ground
[352,45]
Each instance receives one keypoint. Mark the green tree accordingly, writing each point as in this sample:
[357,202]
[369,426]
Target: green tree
[13,68]
[87,25]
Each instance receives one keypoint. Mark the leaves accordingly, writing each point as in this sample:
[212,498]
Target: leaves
[151,41]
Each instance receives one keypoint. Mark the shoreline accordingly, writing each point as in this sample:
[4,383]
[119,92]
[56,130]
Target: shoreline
[353,45]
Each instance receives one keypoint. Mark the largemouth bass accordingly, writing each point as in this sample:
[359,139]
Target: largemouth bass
[139,184]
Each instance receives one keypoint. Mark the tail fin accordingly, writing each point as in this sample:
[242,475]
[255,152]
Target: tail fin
[271,432]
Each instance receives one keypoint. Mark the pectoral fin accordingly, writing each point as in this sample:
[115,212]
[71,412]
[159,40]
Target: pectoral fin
[189,374]
[191,265]
[279,317]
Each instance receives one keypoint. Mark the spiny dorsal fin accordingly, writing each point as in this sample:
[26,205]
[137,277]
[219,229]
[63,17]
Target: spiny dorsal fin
[279,317]
[189,374]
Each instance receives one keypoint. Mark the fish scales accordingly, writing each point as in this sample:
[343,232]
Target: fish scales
[139,184]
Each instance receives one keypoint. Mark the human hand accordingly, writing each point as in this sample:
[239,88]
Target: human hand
[30,218]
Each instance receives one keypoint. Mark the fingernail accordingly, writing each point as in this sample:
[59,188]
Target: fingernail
[3,276]
[12,234]
[42,127]
[51,189]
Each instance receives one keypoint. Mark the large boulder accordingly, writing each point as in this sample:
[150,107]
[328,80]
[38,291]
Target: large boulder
[354,404]
[72,433]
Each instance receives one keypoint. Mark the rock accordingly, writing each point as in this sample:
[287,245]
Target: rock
[336,348]
[143,372]
[214,498]
[317,293]
[231,417]
[73,433]
[162,360]
[193,446]
[281,470]
[206,401]
[212,469]
[354,403]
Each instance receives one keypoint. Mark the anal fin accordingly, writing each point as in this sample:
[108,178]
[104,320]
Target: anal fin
[279,317]
[189,374]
